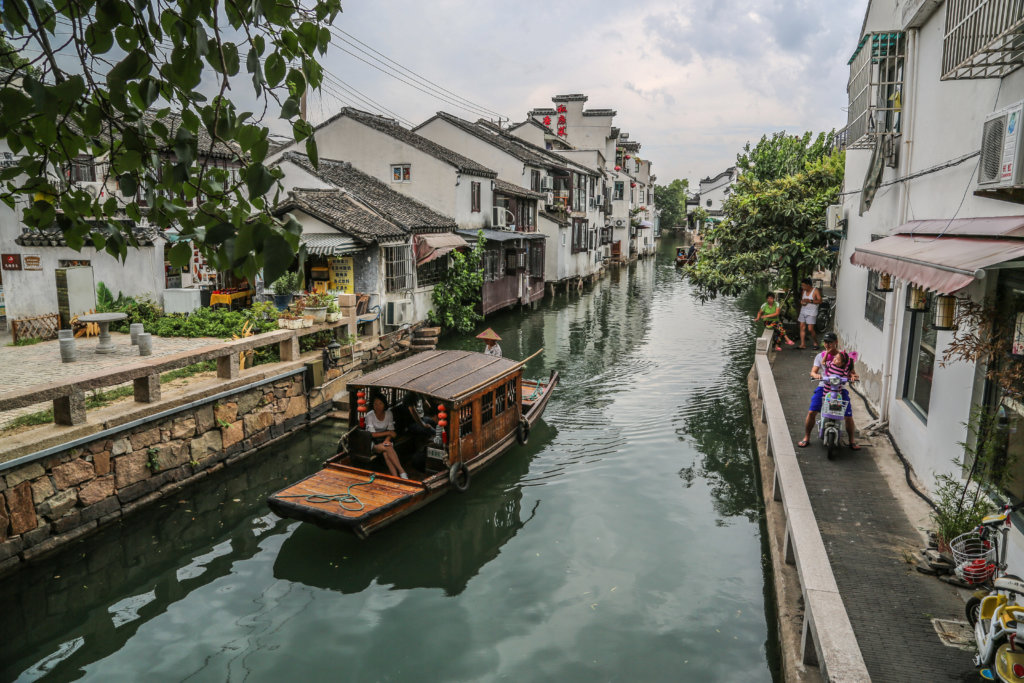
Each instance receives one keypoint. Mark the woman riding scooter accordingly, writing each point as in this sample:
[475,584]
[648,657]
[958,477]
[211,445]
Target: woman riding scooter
[825,363]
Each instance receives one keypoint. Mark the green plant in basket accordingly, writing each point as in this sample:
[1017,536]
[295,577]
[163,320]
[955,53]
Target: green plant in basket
[319,300]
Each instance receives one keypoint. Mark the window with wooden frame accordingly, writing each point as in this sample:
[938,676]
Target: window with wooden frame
[537,259]
[401,173]
[82,169]
[579,235]
[499,401]
[465,420]
[432,272]
[510,392]
[397,267]
[486,408]
[535,180]
[474,197]
[492,265]
[579,187]
[620,189]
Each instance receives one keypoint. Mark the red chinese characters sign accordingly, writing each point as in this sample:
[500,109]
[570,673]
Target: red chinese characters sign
[561,120]
[11,261]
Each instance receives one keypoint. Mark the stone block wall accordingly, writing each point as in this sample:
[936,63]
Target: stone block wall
[52,501]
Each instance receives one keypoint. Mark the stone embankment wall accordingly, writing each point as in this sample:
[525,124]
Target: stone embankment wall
[56,499]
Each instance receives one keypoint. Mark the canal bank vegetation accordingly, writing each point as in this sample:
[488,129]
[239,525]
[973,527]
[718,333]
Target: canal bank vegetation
[774,229]
[458,296]
[670,202]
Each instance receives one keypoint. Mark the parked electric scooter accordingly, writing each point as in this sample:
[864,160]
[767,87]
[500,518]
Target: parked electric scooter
[980,559]
[832,418]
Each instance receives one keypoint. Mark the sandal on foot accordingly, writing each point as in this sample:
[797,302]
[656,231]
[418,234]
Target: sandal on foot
[803,443]
[854,446]
[778,348]
[790,342]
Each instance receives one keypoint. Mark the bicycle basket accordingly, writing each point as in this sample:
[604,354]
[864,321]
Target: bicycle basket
[834,407]
[974,557]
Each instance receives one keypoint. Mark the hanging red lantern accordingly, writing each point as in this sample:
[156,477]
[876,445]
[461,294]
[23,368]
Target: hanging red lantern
[628,157]
[618,168]
[632,184]
[442,422]
[361,408]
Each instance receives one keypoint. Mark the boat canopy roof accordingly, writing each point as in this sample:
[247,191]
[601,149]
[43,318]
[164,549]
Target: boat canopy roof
[445,375]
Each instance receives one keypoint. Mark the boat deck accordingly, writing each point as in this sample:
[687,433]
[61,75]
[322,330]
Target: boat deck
[340,493]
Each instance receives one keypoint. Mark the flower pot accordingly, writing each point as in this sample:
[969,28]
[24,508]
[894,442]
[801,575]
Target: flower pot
[281,301]
[319,313]
[334,317]
[307,320]
[283,323]
[295,324]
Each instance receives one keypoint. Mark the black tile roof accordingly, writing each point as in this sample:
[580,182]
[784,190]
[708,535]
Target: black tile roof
[205,143]
[553,217]
[338,209]
[599,112]
[574,97]
[54,237]
[396,207]
[516,191]
[392,128]
[541,110]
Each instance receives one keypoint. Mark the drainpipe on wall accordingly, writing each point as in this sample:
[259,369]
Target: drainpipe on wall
[892,310]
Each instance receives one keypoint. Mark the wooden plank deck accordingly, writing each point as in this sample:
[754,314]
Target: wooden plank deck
[348,494]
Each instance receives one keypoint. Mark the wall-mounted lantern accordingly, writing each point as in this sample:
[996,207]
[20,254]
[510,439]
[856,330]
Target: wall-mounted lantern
[917,299]
[945,312]
[884,283]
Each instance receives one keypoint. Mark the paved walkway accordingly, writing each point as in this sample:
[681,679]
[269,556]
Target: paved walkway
[26,366]
[873,544]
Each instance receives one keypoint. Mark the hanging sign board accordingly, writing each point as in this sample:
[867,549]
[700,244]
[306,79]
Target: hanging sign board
[32,262]
[11,261]
[342,275]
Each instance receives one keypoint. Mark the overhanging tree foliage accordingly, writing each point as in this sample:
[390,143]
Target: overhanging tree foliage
[670,201]
[122,81]
[457,296]
[773,228]
[781,155]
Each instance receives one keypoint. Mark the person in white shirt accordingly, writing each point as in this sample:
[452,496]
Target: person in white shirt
[491,338]
[381,425]
[810,297]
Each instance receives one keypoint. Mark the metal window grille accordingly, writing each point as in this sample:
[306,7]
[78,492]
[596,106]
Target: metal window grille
[486,408]
[510,392]
[874,302]
[537,260]
[431,273]
[492,265]
[397,267]
[620,189]
[983,38]
[875,89]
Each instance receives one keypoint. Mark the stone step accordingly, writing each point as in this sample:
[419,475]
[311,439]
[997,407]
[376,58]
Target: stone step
[405,343]
[428,332]
[423,347]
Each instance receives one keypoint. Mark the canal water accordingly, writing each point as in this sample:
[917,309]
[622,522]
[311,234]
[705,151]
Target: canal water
[623,542]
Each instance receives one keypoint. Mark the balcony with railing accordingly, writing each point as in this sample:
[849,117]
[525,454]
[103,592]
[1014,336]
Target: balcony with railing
[876,90]
[983,38]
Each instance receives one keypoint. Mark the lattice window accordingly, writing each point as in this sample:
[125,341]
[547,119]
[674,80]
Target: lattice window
[398,267]
[492,265]
[876,89]
[486,408]
[537,259]
[982,38]
[499,402]
[465,420]
[510,392]
[432,272]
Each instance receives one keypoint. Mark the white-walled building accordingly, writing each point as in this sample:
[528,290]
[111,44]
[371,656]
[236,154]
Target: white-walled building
[923,204]
[713,191]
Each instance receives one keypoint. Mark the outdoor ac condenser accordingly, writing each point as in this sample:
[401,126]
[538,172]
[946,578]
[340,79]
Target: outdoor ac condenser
[397,313]
[1002,147]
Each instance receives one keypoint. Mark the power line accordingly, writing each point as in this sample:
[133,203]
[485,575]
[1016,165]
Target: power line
[422,78]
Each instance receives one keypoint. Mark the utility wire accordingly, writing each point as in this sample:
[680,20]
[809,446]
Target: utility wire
[918,174]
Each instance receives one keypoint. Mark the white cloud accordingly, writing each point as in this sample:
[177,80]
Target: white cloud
[692,80]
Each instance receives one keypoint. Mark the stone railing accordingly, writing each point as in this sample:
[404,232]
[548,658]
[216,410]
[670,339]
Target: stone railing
[828,640]
[69,397]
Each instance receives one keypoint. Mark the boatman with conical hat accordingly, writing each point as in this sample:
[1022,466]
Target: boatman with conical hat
[491,338]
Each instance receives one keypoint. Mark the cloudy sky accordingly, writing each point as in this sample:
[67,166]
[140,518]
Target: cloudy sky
[692,80]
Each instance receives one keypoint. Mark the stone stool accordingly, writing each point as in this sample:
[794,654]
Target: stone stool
[65,334]
[68,351]
[135,329]
[145,344]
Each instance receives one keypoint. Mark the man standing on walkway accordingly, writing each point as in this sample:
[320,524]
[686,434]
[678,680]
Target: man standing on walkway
[809,299]
[821,363]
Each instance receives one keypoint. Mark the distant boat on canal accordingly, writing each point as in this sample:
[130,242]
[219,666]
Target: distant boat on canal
[484,407]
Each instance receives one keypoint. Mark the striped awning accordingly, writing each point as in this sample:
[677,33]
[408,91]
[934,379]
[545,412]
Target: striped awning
[329,244]
[430,246]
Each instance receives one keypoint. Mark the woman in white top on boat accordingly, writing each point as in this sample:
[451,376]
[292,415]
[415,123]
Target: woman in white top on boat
[381,425]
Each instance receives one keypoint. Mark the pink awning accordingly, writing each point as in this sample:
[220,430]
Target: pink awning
[944,264]
[430,246]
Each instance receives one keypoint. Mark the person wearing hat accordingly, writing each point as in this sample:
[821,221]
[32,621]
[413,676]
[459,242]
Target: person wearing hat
[831,361]
[491,338]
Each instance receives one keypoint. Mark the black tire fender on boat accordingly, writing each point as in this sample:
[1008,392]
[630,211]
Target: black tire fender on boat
[523,431]
[458,475]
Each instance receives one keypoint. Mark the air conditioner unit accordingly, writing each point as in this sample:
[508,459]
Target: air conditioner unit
[547,183]
[398,312]
[498,217]
[94,189]
[619,223]
[1002,149]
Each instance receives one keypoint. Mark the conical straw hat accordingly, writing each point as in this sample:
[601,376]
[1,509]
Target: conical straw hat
[489,335]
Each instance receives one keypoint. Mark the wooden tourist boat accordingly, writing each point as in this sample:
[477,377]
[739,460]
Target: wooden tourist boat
[484,407]
[681,258]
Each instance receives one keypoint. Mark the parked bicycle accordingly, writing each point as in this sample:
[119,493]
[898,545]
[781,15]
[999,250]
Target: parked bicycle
[826,308]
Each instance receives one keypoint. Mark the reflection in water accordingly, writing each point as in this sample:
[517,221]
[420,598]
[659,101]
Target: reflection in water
[420,553]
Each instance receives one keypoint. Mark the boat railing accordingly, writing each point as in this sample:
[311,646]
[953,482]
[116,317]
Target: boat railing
[828,640]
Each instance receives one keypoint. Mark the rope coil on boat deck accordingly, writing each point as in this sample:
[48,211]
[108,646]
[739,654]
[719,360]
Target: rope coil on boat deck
[340,498]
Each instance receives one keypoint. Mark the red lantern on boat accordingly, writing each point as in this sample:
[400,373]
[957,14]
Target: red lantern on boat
[442,422]
[361,408]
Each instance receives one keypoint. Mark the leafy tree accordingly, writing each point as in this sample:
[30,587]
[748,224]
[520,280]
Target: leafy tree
[772,228]
[457,296]
[143,88]
[782,155]
[670,201]
[9,57]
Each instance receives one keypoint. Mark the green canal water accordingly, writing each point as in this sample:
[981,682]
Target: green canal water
[623,543]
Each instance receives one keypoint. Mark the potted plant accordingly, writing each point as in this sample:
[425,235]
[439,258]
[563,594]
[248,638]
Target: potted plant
[284,287]
[316,305]
[333,311]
